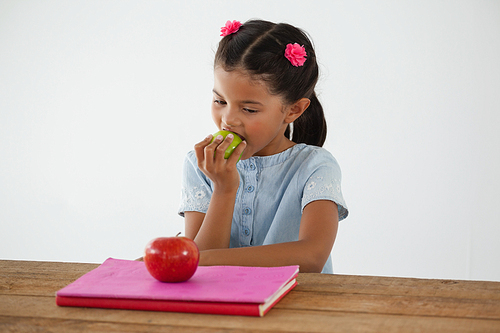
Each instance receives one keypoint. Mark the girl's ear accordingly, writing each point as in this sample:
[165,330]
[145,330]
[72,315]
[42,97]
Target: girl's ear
[297,109]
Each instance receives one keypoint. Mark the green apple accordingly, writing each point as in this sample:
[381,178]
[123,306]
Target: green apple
[232,146]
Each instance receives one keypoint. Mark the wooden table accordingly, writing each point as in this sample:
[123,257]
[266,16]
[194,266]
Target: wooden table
[320,303]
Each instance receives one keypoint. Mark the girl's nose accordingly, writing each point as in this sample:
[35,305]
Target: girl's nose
[230,117]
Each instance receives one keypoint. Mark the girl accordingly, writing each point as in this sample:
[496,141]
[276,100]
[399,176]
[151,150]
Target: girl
[280,204]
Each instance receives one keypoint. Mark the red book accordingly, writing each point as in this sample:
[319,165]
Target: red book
[230,290]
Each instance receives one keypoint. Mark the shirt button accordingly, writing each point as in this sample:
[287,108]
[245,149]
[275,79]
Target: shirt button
[246,231]
[252,166]
[247,211]
[250,188]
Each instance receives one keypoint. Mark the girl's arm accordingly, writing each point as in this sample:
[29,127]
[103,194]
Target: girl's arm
[318,229]
[213,229]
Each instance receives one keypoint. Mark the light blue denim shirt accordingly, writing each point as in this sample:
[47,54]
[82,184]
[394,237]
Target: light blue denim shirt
[272,194]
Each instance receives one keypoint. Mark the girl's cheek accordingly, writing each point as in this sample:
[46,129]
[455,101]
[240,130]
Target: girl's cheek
[215,116]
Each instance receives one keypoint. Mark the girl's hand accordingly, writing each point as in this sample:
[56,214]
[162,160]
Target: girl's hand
[222,172]
[213,229]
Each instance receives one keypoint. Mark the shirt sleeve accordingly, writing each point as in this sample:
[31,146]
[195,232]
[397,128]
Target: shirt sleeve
[324,183]
[196,187]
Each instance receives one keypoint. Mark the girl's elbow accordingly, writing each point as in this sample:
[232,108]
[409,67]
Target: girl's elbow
[310,269]
[314,264]
[315,257]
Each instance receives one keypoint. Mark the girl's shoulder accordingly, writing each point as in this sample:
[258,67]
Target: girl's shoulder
[313,157]
[313,151]
[311,154]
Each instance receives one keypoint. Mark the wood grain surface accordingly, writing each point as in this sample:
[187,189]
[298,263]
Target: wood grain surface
[320,303]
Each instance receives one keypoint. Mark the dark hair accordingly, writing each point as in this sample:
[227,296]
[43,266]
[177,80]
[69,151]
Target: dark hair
[259,49]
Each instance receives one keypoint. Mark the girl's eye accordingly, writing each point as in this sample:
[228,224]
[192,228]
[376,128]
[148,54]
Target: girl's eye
[219,101]
[249,110]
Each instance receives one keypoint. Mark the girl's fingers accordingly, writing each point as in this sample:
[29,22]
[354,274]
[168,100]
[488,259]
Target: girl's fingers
[202,144]
[199,149]
[222,147]
[237,152]
[210,153]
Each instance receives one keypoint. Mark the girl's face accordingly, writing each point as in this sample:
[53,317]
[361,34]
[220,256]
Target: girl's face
[245,107]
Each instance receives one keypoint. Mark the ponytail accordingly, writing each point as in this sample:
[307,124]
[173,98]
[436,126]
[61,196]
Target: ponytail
[310,127]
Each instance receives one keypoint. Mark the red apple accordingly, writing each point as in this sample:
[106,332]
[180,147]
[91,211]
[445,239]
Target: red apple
[171,259]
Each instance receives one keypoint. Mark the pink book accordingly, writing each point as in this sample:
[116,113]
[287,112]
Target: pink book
[232,290]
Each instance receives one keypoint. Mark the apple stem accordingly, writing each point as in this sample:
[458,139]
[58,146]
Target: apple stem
[178,234]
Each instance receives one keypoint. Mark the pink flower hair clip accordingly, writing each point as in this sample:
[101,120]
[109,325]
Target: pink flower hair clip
[230,28]
[296,54]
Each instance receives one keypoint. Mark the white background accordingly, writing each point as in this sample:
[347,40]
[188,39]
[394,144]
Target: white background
[101,100]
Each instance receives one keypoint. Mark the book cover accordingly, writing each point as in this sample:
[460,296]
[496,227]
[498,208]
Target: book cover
[126,284]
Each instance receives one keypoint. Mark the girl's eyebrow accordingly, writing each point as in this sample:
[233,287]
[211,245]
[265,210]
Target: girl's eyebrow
[242,102]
